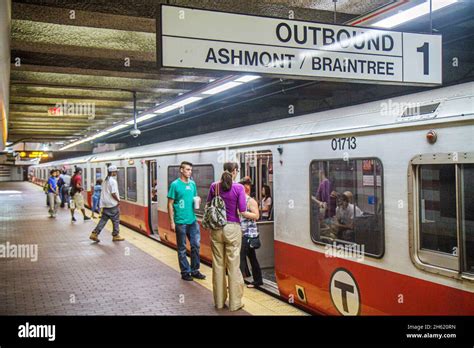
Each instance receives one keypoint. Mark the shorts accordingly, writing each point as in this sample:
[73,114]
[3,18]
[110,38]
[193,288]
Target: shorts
[78,201]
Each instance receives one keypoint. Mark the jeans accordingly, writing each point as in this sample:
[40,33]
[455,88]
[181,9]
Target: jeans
[245,252]
[192,232]
[64,195]
[112,214]
[95,204]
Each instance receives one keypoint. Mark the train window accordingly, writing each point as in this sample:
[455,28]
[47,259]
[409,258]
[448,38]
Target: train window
[347,204]
[98,173]
[467,216]
[203,176]
[121,181]
[444,215]
[258,165]
[437,208]
[132,184]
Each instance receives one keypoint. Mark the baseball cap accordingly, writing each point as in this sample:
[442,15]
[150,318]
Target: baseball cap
[112,168]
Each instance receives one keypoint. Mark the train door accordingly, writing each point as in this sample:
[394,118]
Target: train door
[259,167]
[153,198]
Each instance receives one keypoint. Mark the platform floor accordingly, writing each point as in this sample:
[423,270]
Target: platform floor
[74,276]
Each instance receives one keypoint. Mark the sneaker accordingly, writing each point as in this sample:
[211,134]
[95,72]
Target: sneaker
[73,219]
[117,238]
[94,237]
[86,218]
[198,275]
[187,277]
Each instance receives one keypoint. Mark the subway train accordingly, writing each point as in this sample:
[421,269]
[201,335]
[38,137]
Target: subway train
[404,165]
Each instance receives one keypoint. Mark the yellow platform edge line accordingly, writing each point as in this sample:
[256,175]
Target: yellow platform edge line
[256,302]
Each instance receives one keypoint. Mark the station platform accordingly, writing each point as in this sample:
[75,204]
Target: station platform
[71,275]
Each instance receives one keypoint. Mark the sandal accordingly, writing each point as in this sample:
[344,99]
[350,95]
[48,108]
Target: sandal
[254,285]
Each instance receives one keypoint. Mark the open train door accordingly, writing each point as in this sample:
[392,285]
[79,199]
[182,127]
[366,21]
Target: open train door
[258,165]
[153,198]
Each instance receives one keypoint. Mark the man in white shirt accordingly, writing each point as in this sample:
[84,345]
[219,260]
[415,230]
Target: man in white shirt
[109,202]
[344,219]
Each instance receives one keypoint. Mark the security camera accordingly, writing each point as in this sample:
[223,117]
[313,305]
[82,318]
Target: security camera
[135,133]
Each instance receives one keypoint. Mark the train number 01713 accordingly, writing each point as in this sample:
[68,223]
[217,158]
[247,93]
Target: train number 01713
[349,143]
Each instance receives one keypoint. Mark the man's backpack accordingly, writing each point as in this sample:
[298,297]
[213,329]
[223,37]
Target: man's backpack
[46,187]
[215,216]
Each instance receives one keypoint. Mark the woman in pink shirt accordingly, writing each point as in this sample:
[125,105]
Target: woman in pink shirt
[226,242]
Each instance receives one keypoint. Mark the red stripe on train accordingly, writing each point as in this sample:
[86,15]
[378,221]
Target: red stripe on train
[381,291]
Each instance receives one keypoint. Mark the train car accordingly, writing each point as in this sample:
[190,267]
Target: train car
[405,166]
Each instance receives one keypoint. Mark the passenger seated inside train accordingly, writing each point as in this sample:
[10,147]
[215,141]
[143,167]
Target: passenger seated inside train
[343,222]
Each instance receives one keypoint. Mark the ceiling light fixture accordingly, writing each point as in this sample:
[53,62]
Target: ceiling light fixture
[412,13]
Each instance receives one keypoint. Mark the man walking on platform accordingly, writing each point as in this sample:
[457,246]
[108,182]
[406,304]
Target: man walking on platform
[109,202]
[182,200]
[76,195]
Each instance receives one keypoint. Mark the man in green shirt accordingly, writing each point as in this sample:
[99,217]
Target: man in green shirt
[181,198]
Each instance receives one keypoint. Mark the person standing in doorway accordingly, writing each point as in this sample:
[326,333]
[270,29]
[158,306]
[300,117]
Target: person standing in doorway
[182,198]
[53,192]
[76,195]
[250,230]
[109,202]
[267,202]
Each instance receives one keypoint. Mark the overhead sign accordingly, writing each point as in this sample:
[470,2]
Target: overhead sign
[202,39]
[33,154]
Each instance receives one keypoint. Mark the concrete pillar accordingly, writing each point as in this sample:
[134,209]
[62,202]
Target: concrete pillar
[5,26]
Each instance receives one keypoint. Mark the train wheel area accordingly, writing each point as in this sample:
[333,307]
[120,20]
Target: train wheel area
[54,269]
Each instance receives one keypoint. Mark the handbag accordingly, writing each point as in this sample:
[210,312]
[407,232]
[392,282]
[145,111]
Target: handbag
[254,242]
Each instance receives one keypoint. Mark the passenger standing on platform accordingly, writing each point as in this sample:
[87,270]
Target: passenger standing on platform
[226,242]
[65,180]
[53,192]
[109,202]
[96,198]
[250,230]
[76,195]
[182,196]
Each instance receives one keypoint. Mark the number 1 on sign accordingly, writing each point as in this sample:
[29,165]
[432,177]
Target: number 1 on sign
[426,62]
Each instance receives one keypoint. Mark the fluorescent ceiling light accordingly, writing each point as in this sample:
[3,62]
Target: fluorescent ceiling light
[247,78]
[116,128]
[222,88]
[412,13]
[187,101]
[167,108]
[178,104]
[145,117]
[98,135]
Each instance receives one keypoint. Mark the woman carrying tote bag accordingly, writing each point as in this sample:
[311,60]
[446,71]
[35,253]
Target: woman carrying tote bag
[226,241]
